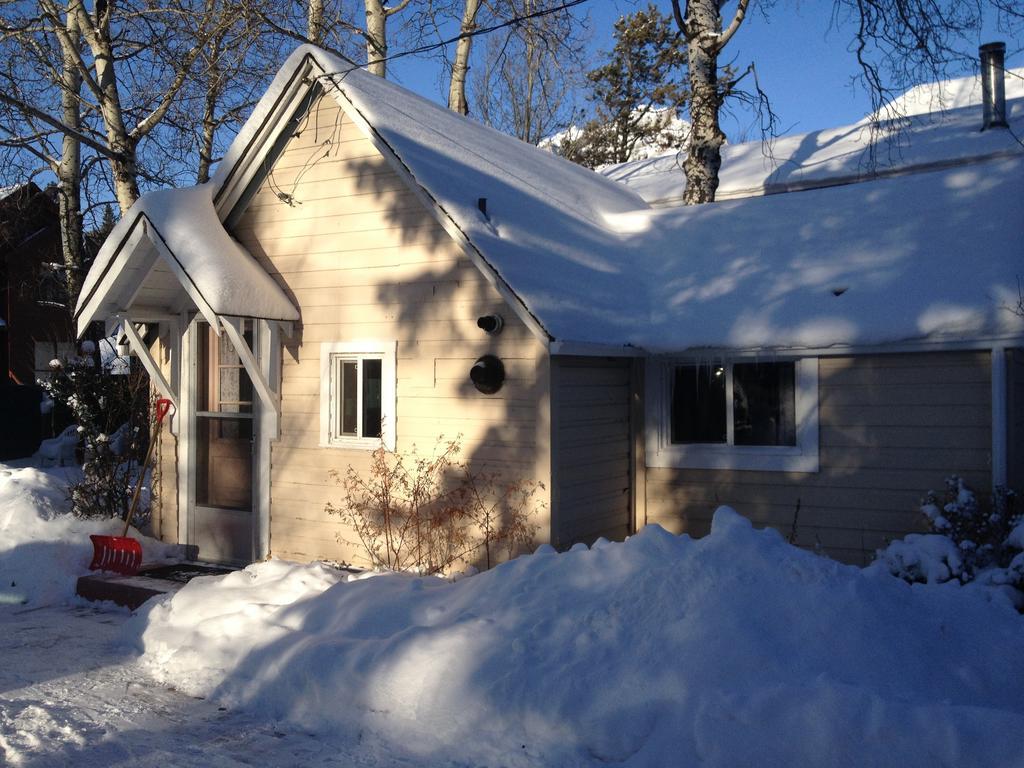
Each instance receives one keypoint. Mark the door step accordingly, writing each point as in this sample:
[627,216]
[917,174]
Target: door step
[151,581]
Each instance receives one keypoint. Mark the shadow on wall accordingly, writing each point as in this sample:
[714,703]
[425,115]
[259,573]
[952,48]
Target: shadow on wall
[383,268]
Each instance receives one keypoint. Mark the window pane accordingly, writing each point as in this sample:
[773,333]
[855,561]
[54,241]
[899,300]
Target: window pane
[371,398]
[698,404]
[349,398]
[764,403]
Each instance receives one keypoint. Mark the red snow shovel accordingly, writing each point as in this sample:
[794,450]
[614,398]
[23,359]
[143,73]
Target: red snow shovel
[122,554]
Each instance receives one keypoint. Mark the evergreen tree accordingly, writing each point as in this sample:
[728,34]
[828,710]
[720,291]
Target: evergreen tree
[636,95]
[106,224]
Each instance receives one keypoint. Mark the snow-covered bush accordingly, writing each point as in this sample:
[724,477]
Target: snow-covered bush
[102,396]
[426,513]
[968,541]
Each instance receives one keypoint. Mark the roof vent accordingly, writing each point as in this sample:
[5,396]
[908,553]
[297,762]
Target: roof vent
[993,90]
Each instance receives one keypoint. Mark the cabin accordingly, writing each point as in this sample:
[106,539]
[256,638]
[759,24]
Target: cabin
[367,268]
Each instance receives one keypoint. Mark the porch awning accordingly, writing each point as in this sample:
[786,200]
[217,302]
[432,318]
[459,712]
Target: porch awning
[170,253]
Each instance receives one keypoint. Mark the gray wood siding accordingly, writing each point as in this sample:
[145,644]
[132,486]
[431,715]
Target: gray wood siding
[591,403]
[891,428]
[363,259]
[1015,419]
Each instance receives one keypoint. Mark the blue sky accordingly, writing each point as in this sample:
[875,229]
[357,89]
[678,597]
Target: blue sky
[802,62]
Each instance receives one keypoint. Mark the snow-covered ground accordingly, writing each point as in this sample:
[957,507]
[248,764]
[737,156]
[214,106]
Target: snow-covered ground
[736,649]
[72,694]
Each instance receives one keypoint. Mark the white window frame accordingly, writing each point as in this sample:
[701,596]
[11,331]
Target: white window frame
[662,452]
[330,354]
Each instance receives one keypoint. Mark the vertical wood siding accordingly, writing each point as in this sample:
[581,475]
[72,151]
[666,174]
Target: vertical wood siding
[363,259]
[164,506]
[1015,419]
[891,428]
[591,404]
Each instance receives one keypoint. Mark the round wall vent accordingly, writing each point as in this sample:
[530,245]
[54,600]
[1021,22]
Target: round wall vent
[488,374]
[490,324]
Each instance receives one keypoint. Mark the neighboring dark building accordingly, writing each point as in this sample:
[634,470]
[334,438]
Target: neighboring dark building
[34,322]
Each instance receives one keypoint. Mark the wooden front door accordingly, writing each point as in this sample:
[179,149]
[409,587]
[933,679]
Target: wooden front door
[222,522]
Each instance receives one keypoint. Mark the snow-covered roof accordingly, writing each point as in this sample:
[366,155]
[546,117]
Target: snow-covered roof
[596,266]
[951,94]
[6,192]
[181,227]
[927,256]
[834,155]
[933,254]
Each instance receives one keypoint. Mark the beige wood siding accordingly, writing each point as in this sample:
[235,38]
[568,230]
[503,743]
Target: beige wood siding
[363,259]
[1015,419]
[891,428]
[592,453]
[164,521]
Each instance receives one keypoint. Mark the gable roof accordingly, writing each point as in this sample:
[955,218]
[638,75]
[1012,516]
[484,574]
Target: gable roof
[592,266]
[176,234]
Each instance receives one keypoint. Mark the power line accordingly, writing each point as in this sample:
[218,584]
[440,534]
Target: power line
[515,21]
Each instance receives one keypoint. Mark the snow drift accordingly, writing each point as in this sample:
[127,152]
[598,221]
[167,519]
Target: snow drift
[736,649]
[43,548]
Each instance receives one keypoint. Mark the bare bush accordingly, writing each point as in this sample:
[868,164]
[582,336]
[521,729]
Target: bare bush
[425,513]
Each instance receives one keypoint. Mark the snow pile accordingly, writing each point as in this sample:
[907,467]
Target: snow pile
[43,549]
[736,649]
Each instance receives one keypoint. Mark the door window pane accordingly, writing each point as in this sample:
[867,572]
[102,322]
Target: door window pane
[224,385]
[224,462]
[698,404]
[764,403]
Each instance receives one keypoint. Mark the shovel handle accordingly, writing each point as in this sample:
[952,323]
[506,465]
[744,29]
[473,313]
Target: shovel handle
[163,405]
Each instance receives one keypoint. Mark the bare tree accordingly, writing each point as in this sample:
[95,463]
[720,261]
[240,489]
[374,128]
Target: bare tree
[315,21]
[527,78]
[377,15]
[69,170]
[897,43]
[460,66]
[701,26]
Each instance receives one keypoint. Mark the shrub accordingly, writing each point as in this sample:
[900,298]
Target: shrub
[968,542]
[427,513]
[102,395]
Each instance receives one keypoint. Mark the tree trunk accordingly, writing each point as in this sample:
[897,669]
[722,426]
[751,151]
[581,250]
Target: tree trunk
[123,163]
[315,21]
[460,67]
[704,156]
[532,67]
[69,172]
[213,89]
[376,38]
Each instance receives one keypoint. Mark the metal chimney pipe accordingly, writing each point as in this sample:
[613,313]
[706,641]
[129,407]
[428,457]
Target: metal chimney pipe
[993,91]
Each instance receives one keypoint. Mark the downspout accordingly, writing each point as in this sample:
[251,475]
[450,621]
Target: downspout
[999,416]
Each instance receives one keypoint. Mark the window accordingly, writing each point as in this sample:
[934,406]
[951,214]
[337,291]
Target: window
[733,414]
[357,394]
